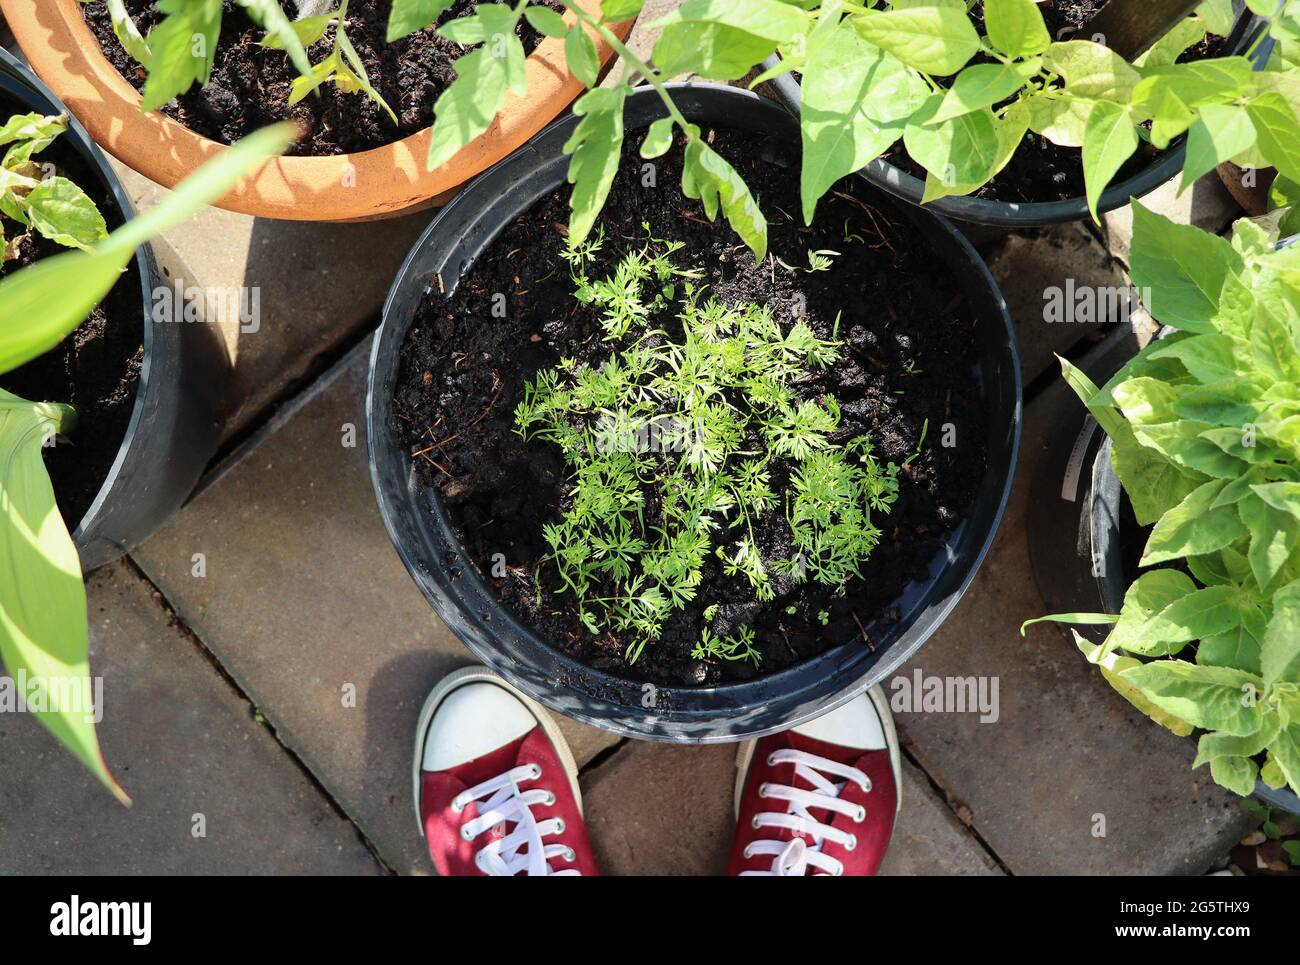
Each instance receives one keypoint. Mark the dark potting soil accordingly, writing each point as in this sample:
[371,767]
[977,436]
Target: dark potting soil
[907,358]
[250,84]
[97,367]
[1041,170]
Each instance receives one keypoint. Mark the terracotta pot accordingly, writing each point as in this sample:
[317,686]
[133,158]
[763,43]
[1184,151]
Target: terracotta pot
[378,183]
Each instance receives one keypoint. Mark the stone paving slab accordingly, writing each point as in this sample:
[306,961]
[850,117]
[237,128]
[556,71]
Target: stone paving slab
[1066,752]
[318,287]
[661,809]
[182,744]
[307,606]
[1027,265]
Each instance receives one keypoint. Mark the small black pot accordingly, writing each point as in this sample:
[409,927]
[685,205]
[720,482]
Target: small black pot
[1084,540]
[419,528]
[173,430]
[1009,214]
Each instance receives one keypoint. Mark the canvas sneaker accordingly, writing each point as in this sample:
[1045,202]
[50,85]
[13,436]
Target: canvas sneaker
[496,788]
[820,798]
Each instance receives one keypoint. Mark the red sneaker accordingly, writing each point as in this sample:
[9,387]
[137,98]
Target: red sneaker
[819,798]
[496,788]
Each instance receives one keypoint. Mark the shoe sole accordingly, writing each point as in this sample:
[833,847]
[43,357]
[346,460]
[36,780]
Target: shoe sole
[745,753]
[475,675]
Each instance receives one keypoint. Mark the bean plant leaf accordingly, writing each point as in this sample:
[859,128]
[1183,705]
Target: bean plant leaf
[772,20]
[616,10]
[1016,27]
[596,146]
[469,105]
[1092,70]
[983,85]
[936,39]
[706,175]
[712,50]
[1009,132]
[856,100]
[1060,117]
[1219,133]
[1109,139]
[408,16]
[43,622]
[1274,538]
[658,138]
[1275,124]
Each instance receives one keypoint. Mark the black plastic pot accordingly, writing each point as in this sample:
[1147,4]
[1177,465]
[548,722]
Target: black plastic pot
[1083,537]
[420,531]
[1009,214]
[173,430]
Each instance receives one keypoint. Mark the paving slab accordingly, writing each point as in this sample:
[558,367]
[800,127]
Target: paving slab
[1040,269]
[1070,779]
[314,287]
[306,604]
[662,809]
[214,793]
[1206,204]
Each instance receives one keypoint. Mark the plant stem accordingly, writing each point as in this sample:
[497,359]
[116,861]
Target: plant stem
[630,59]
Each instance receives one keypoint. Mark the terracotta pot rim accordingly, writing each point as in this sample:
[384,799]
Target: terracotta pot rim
[376,183]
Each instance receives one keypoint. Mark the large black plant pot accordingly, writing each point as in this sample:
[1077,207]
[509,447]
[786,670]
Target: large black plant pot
[173,430]
[420,531]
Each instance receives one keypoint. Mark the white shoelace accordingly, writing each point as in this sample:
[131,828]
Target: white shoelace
[796,856]
[501,801]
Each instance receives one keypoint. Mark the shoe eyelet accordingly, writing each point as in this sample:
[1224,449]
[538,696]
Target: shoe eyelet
[755,823]
[549,800]
[839,871]
[570,855]
[560,829]
[862,815]
[748,853]
[457,807]
[537,771]
[852,843]
[464,833]
[478,861]
[866,787]
[762,789]
[771,759]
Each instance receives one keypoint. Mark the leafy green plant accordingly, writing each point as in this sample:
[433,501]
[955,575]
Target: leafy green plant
[876,74]
[673,444]
[1205,435]
[40,200]
[43,621]
[180,51]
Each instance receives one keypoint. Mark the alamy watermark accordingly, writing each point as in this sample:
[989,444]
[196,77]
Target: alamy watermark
[179,302]
[1097,304]
[25,693]
[919,694]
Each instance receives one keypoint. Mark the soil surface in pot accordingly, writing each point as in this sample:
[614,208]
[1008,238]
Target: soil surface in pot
[907,357]
[250,84]
[1040,170]
[97,367]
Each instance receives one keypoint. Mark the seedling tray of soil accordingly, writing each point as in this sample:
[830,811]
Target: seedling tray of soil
[1043,182]
[927,349]
[250,83]
[145,395]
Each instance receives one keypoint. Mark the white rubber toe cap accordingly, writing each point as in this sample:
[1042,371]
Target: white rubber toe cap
[854,724]
[473,720]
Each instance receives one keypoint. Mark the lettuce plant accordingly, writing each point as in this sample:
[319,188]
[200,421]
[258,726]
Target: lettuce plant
[43,622]
[875,74]
[1205,435]
[659,440]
